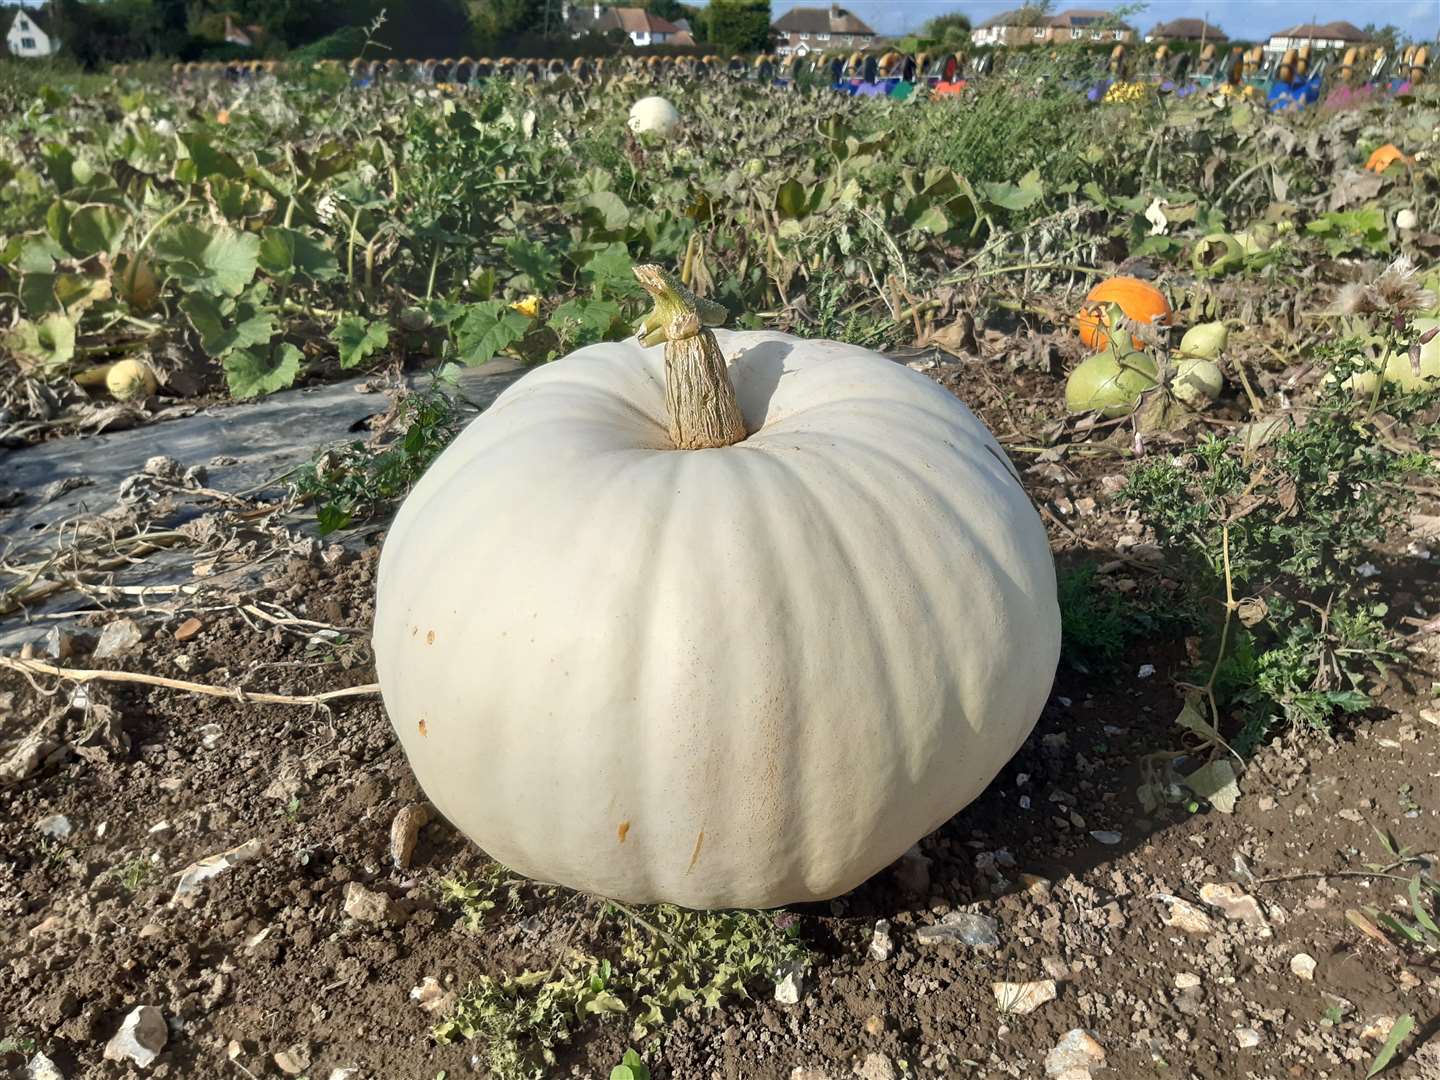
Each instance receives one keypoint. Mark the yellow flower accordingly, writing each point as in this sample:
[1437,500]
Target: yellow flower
[529,307]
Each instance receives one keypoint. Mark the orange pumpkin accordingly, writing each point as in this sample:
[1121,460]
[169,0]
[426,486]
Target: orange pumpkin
[1139,301]
[1386,156]
[223,116]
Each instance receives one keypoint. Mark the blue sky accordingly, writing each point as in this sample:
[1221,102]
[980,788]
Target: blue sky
[1248,19]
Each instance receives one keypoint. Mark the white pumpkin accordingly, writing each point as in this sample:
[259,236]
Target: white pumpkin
[734,677]
[654,116]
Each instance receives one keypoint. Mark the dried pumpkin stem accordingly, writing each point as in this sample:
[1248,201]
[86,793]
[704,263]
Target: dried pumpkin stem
[703,410]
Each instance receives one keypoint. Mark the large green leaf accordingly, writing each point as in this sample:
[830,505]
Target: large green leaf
[206,160]
[95,229]
[487,328]
[217,261]
[792,201]
[358,338]
[250,373]
[47,345]
[1021,196]
[607,209]
[288,251]
[539,264]
[611,272]
[224,324]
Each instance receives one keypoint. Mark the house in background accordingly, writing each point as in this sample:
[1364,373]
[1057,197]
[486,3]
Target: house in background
[1027,27]
[1197,30]
[640,26]
[29,35]
[1331,35]
[804,30]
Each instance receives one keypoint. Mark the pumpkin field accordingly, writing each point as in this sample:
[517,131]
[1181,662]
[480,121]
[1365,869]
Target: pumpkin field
[518,579]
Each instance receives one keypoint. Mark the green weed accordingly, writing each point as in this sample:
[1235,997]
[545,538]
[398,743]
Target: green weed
[354,482]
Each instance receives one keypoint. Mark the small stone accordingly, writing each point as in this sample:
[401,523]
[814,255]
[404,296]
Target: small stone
[368,905]
[912,871]
[119,638]
[405,830]
[790,983]
[293,1060]
[210,735]
[1056,968]
[882,946]
[1233,901]
[1036,886]
[41,1067]
[59,644]
[1186,980]
[1179,915]
[56,826]
[1378,1029]
[186,664]
[1266,803]
[978,931]
[1302,966]
[876,1067]
[142,1035]
[1104,836]
[1074,1056]
[1246,1038]
[431,996]
[1350,815]
[206,868]
[347,1073]
[188,629]
[1022,998]
[874,1025]
[801,1072]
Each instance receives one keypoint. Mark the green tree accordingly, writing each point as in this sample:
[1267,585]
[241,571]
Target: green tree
[666,9]
[738,26]
[950,31]
[1388,37]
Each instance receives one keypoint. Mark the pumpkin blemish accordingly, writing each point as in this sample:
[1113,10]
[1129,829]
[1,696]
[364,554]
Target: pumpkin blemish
[623,830]
[429,637]
[422,726]
[695,855]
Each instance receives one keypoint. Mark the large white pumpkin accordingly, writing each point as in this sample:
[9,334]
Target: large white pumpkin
[733,677]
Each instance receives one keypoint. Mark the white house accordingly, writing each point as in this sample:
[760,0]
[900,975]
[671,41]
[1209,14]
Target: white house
[28,35]
[1331,35]
[640,26]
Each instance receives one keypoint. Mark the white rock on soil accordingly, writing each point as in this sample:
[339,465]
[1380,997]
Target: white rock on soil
[876,1067]
[1186,980]
[431,996]
[56,826]
[142,1035]
[41,1067]
[1104,836]
[1074,1056]
[967,928]
[404,831]
[1233,901]
[1022,998]
[882,946]
[1302,966]
[344,1074]
[1180,915]
[119,638]
[197,872]
[293,1060]
[790,983]
[1247,1038]
[368,905]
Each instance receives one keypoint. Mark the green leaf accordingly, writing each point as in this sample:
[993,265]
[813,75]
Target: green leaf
[595,316]
[57,224]
[48,344]
[223,325]
[95,229]
[358,338]
[1421,915]
[235,199]
[286,251]
[209,161]
[792,200]
[932,220]
[250,374]
[607,208]
[610,272]
[539,265]
[1020,196]
[219,261]
[487,328]
[1401,1028]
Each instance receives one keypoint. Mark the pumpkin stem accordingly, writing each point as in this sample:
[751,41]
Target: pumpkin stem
[703,410]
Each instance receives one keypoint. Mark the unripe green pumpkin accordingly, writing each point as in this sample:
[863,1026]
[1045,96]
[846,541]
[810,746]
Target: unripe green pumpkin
[1398,371]
[1109,383]
[1206,340]
[1197,382]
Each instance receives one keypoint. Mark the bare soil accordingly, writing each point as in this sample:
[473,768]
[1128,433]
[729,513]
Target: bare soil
[262,958]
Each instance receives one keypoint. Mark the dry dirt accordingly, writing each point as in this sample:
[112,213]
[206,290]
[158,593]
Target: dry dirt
[262,958]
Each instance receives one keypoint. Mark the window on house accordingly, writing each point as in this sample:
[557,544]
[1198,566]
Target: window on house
[822,37]
[1039,32]
[1076,33]
[27,43]
[1094,35]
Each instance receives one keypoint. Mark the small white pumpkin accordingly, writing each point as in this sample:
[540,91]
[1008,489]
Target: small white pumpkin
[654,116]
[741,676]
